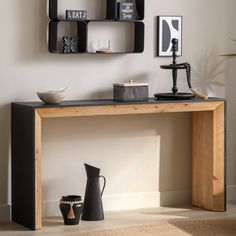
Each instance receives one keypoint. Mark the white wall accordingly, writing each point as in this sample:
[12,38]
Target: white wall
[143,157]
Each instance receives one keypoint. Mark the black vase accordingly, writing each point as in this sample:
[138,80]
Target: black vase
[93,209]
[71,208]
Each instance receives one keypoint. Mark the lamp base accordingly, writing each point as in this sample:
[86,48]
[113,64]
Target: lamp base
[171,96]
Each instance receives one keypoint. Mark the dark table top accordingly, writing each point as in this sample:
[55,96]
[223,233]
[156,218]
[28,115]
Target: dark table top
[108,102]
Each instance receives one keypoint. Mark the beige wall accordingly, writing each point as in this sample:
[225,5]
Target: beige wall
[231,101]
[138,154]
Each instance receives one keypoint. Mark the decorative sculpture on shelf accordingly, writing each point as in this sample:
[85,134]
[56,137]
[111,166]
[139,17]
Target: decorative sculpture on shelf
[70,44]
[175,67]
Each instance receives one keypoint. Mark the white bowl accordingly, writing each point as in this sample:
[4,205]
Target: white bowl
[52,97]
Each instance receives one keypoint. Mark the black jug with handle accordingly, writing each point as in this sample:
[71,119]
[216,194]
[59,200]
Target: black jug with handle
[93,209]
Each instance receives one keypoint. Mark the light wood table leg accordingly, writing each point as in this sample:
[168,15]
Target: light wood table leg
[208,159]
[38,170]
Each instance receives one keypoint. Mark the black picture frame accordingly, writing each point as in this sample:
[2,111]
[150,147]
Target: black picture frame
[169,27]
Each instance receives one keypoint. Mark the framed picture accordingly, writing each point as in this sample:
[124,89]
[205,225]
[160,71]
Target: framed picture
[168,27]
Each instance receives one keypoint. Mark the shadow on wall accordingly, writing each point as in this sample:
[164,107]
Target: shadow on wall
[153,153]
[176,162]
[5,122]
[231,118]
[208,74]
[209,71]
[31,45]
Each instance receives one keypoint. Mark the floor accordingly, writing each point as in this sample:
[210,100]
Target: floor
[54,226]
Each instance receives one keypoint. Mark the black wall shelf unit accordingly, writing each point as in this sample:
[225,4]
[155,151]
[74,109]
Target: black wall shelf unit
[56,47]
[110,9]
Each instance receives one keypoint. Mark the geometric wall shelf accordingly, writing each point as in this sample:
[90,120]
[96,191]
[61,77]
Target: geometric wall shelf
[80,28]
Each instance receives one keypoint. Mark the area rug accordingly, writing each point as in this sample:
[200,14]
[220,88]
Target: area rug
[208,227]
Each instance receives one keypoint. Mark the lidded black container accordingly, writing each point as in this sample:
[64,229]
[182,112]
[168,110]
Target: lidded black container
[71,207]
[131,91]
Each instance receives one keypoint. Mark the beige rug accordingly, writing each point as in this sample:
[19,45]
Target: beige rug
[209,227]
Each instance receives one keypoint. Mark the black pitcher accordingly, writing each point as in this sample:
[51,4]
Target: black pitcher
[93,209]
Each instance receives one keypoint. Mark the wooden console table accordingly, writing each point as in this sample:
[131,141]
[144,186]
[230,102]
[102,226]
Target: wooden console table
[208,148]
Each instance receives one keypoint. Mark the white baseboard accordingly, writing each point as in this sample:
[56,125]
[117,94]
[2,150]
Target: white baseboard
[131,201]
[127,201]
[5,213]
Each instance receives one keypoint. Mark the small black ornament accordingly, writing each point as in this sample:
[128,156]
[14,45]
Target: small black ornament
[71,208]
[70,44]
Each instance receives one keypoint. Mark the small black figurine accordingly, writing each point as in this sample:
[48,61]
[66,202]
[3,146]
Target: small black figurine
[175,67]
[70,44]
[71,208]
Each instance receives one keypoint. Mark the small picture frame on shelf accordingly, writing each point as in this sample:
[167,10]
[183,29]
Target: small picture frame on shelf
[169,27]
[126,11]
[70,44]
[76,15]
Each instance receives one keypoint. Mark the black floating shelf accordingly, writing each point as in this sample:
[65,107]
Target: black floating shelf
[111,10]
[140,5]
[55,44]
[82,28]
[139,37]
[55,47]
